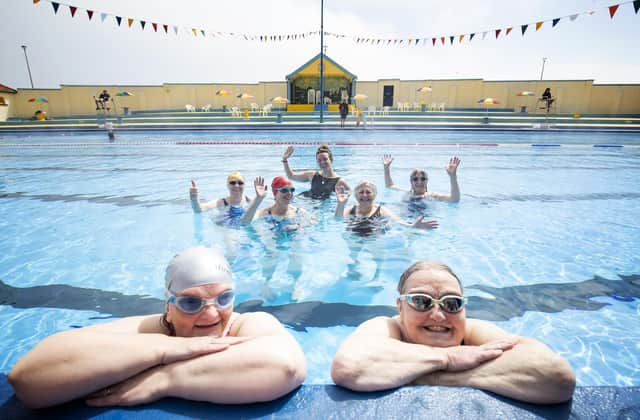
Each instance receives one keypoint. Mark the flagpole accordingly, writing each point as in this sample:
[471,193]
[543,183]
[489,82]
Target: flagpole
[24,48]
[321,61]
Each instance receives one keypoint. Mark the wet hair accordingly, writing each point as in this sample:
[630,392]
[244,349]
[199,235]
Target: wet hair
[166,324]
[426,265]
[417,171]
[366,183]
[324,148]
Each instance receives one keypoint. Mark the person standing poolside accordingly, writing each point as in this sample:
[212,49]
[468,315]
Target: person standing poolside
[344,110]
[232,206]
[199,349]
[282,216]
[419,179]
[367,217]
[431,342]
[324,181]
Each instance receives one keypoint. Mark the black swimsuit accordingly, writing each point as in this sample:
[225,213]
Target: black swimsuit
[321,187]
[368,225]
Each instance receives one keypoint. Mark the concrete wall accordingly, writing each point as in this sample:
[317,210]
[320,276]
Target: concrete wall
[572,96]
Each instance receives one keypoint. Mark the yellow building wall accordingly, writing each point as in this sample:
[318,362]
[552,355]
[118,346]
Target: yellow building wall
[572,96]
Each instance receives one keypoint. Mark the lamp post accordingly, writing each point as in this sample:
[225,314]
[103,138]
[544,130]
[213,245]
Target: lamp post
[542,71]
[321,61]
[24,48]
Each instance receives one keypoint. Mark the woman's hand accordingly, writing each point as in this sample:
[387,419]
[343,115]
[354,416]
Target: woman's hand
[193,191]
[386,160]
[425,224]
[342,194]
[261,189]
[452,167]
[287,153]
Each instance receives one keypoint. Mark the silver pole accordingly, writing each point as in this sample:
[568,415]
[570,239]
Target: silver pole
[542,72]
[24,48]
[321,61]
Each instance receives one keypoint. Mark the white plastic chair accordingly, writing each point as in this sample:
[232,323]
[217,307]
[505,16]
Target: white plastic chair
[235,111]
[441,106]
[266,110]
[416,106]
[190,108]
[253,106]
[433,106]
[207,108]
[371,111]
[385,110]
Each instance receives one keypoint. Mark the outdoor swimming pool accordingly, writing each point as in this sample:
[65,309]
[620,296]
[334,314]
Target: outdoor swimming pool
[545,239]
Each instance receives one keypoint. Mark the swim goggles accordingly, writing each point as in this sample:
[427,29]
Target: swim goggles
[285,190]
[422,302]
[193,304]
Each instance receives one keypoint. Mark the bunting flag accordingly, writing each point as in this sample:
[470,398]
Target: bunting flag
[613,9]
[413,41]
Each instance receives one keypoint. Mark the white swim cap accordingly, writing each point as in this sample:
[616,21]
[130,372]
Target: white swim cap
[196,266]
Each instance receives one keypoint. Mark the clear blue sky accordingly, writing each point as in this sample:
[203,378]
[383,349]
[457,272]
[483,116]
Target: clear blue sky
[70,51]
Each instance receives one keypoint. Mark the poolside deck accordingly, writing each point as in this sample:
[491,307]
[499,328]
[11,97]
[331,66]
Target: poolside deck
[394,120]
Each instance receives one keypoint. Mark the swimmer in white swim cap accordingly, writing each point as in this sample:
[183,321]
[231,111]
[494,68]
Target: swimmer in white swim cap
[199,349]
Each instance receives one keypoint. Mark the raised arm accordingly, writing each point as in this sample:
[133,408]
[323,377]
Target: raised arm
[297,176]
[267,366]
[196,205]
[342,196]
[388,182]
[374,358]
[75,363]
[529,372]
[261,190]
[420,223]
[452,169]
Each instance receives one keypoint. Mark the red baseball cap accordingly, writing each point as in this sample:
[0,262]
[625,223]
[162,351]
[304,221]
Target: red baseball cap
[279,182]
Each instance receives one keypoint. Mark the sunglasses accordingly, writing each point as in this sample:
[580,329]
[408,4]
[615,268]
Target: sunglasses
[285,190]
[422,178]
[193,304]
[236,183]
[422,302]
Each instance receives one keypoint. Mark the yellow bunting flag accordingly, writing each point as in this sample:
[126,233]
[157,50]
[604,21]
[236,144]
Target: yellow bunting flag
[130,21]
[538,25]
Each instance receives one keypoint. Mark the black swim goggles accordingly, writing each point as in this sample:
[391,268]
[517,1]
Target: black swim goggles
[194,304]
[422,302]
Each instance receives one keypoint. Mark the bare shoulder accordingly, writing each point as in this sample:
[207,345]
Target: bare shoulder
[253,324]
[478,332]
[380,326]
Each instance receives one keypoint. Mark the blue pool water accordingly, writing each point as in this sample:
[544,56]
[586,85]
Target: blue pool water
[545,239]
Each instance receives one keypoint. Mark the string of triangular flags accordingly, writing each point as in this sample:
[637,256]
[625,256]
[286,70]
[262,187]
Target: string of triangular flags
[413,41]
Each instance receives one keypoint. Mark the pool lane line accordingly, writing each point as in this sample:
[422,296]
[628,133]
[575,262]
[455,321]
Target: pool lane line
[300,143]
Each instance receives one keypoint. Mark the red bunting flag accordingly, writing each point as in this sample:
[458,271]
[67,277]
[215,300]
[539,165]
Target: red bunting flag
[73,9]
[498,33]
[508,31]
[433,42]
[90,14]
[166,28]
[130,21]
[155,26]
[36,1]
[442,40]
[539,24]
[613,9]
